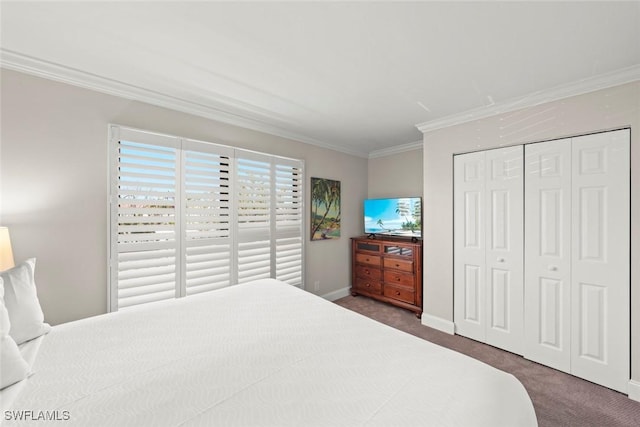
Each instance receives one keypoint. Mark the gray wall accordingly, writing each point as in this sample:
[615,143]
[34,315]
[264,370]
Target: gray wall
[396,175]
[601,110]
[53,186]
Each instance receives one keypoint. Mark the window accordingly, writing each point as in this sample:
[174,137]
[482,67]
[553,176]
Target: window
[189,217]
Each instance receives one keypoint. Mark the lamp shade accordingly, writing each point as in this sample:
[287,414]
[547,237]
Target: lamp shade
[6,253]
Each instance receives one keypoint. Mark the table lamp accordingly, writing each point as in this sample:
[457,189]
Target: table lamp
[6,254]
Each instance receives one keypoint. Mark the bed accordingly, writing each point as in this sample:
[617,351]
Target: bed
[257,354]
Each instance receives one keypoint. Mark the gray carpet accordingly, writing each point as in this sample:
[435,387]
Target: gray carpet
[559,399]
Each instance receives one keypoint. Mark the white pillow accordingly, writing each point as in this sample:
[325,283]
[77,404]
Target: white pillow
[21,301]
[13,367]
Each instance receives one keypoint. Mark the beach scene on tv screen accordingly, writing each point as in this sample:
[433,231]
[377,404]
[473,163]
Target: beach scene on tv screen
[398,217]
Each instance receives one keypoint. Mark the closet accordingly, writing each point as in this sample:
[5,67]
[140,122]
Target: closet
[568,304]
[488,223]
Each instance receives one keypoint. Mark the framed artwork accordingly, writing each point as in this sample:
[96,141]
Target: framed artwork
[325,209]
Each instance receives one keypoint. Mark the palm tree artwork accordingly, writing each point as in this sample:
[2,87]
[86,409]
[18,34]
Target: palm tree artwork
[325,209]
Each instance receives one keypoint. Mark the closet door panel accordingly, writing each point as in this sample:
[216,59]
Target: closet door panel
[469,245]
[600,258]
[504,248]
[547,296]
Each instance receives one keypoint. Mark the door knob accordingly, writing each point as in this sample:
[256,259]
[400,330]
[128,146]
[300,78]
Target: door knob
[500,259]
[553,268]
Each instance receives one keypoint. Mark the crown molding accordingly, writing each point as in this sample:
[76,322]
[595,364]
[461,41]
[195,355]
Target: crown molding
[29,65]
[591,84]
[417,145]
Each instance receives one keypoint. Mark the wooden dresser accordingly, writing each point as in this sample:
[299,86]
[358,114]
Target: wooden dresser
[388,270]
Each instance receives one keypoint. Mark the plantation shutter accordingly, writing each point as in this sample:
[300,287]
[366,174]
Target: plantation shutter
[207,216]
[253,191]
[145,219]
[289,221]
[189,217]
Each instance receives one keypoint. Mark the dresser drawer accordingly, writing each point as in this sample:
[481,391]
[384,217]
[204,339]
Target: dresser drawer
[399,279]
[399,264]
[401,294]
[366,246]
[399,250]
[368,259]
[370,273]
[365,285]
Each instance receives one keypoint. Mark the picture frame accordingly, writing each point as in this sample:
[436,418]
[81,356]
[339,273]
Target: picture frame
[325,209]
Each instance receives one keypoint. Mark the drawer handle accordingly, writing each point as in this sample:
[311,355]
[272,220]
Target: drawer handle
[398,279]
[397,293]
[366,271]
[368,285]
[366,259]
[397,265]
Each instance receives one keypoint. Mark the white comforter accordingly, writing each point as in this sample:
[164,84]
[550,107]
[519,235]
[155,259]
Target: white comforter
[259,354]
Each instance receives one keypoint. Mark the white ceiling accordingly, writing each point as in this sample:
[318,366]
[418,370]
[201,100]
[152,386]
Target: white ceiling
[356,76]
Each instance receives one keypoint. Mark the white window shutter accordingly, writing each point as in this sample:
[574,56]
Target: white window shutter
[253,213]
[145,227]
[189,217]
[207,216]
[289,211]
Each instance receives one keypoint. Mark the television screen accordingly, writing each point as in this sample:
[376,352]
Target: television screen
[398,216]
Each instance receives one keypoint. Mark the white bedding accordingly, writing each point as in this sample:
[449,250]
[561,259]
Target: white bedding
[258,354]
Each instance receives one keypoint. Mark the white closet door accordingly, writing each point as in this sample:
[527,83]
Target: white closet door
[488,211]
[504,249]
[600,258]
[547,299]
[469,245]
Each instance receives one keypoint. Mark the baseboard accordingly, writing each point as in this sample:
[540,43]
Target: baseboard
[438,323]
[340,293]
[634,390]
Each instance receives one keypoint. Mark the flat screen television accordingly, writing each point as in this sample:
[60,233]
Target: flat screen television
[401,216]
